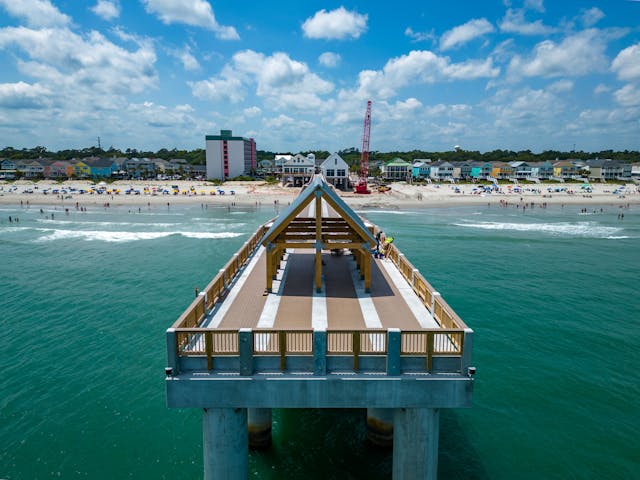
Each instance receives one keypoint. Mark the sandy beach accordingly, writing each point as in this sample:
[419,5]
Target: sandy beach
[401,195]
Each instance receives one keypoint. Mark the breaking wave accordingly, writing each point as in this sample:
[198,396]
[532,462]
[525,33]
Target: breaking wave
[107,236]
[580,229]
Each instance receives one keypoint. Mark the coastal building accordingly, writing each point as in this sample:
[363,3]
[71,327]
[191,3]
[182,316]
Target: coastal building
[396,170]
[298,170]
[304,316]
[100,167]
[441,171]
[521,170]
[421,169]
[228,156]
[336,171]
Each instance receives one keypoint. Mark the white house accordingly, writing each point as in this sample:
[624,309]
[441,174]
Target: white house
[298,170]
[336,171]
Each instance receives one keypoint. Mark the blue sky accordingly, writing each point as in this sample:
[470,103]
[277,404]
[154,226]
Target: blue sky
[296,75]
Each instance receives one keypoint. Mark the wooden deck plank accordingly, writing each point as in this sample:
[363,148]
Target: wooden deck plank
[343,308]
[392,309]
[246,310]
[294,311]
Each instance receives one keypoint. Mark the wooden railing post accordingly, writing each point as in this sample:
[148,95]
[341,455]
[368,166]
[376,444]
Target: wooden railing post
[282,344]
[208,347]
[223,273]
[430,336]
[356,351]
[433,304]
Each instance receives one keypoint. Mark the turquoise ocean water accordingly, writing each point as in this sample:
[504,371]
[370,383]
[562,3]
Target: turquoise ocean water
[552,296]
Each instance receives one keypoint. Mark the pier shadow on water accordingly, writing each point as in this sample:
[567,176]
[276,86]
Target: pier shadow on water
[320,444]
[332,444]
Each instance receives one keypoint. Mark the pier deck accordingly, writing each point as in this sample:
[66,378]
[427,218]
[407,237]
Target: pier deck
[304,316]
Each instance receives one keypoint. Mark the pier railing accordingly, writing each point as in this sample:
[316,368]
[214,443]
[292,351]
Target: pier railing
[371,351]
[443,350]
[215,291]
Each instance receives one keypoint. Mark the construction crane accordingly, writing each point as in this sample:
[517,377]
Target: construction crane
[361,187]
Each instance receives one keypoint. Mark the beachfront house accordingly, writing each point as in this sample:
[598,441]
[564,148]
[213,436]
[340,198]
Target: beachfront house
[521,170]
[441,171]
[279,160]
[101,167]
[564,169]
[7,169]
[635,170]
[59,169]
[541,170]
[30,168]
[336,171]
[298,170]
[80,168]
[421,169]
[139,168]
[396,170]
[462,170]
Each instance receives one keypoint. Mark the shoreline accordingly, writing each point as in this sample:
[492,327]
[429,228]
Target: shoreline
[247,194]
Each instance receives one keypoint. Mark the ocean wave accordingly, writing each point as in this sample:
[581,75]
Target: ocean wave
[105,224]
[388,212]
[108,236]
[580,229]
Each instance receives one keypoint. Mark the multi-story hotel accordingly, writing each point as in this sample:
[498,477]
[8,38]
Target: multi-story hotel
[229,156]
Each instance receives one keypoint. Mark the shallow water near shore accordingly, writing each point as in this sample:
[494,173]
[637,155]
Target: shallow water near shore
[551,294]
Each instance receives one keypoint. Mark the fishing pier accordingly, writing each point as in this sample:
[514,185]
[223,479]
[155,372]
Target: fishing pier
[304,316]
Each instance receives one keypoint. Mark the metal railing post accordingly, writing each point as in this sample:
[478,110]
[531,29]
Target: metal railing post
[394,348]
[172,351]
[245,347]
[467,350]
[320,352]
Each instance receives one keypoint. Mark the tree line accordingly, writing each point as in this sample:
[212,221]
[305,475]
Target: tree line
[350,155]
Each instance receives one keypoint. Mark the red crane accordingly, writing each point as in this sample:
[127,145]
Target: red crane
[361,187]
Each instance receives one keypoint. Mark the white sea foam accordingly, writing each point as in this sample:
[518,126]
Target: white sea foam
[212,235]
[388,212]
[580,229]
[105,224]
[110,236]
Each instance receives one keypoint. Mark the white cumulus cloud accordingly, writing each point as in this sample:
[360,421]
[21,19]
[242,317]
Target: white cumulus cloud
[336,24]
[329,59]
[197,13]
[628,96]
[37,13]
[24,95]
[464,33]
[627,63]
[420,67]
[106,9]
[515,22]
[576,55]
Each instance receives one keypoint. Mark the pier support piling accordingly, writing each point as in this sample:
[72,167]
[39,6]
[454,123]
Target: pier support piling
[259,425]
[380,426]
[225,444]
[415,443]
